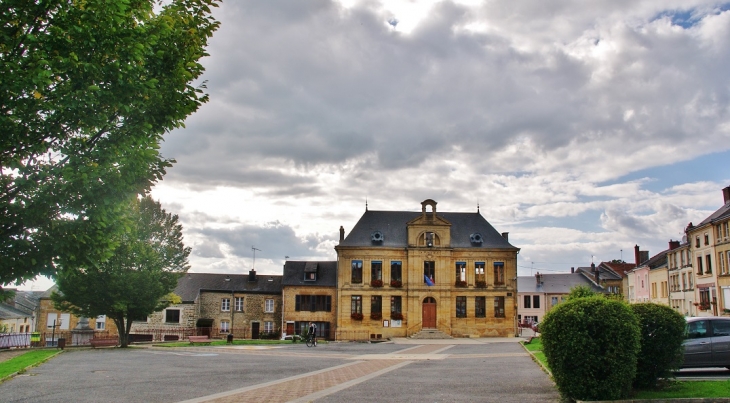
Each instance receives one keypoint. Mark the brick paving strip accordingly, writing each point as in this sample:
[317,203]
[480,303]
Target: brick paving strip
[321,382]
[317,384]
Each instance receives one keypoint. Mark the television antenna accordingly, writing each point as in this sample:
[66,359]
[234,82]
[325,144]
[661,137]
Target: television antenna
[253,266]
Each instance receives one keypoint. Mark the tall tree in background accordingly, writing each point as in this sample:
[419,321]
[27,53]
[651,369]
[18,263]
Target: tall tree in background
[139,276]
[87,90]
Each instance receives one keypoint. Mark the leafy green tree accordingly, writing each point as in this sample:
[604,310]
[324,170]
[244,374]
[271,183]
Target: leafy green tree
[137,279]
[87,90]
[662,334]
[581,291]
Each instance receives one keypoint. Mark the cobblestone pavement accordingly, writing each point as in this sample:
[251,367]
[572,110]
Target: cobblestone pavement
[403,370]
[328,383]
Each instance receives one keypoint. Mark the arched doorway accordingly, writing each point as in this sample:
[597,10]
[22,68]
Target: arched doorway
[429,313]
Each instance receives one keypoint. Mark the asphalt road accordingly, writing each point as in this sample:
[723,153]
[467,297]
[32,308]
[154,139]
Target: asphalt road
[498,372]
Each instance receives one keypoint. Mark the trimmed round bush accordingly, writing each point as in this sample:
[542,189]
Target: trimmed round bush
[591,346]
[662,333]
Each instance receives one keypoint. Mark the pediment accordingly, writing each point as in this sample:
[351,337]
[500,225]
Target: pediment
[429,219]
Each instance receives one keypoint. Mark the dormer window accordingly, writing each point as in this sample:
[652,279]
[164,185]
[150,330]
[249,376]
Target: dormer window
[310,271]
[429,239]
[377,237]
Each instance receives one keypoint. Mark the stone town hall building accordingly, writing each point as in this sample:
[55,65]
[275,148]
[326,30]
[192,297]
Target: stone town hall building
[401,272]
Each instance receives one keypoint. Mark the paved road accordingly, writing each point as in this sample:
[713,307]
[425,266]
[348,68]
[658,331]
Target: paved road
[483,370]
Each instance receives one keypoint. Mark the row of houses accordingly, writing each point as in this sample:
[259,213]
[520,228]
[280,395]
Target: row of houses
[401,273]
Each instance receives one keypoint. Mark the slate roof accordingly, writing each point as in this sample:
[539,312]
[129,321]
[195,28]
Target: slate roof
[555,283]
[190,285]
[326,273]
[619,269]
[8,312]
[393,226]
[26,301]
[604,272]
[655,261]
[721,214]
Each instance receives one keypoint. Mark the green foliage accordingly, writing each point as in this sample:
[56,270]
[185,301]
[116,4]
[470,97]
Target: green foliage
[87,90]
[581,291]
[591,345]
[138,279]
[662,334]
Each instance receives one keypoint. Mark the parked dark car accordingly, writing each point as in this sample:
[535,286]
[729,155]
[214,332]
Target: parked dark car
[707,342]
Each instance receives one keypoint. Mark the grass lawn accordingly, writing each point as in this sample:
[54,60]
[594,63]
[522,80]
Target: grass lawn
[21,362]
[235,343]
[687,389]
[671,390]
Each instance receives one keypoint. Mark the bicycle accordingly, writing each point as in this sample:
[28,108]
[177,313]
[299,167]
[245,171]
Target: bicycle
[311,340]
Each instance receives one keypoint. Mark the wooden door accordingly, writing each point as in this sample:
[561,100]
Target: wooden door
[289,329]
[429,313]
[255,330]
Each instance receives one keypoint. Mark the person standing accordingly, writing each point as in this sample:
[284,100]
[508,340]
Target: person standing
[313,333]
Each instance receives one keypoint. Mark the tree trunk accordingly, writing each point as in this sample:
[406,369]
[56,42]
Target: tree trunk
[123,335]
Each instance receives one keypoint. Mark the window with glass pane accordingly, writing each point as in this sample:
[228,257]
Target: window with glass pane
[226,304]
[499,307]
[356,304]
[554,301]
[395,304]
[225,326]
[376,270]
[269,327]
[460,271]
[376,304]
[498,273]
[269,307]
[479,272]
[239,304]
[480,307]
[527,301]
[396,271]
[461,307]
[429,270]
[356,277]
[535,301]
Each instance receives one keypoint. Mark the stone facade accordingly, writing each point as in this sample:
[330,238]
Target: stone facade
[465,300]
[305,315]
[255,316]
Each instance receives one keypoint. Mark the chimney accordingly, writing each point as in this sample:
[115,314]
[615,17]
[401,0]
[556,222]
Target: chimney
[342,233]
[505,235]
[252,275]
[726,194]
[538,278]
[673,244]
[572,270]
[596,274]
[637,255]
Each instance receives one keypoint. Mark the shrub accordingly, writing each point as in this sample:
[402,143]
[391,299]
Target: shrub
[591,345]
[581,291]
[662,333]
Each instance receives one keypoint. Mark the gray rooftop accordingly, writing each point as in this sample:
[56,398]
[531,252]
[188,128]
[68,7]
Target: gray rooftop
[8,312]
[555,283]
[190,285]
[326,273]
[393,226]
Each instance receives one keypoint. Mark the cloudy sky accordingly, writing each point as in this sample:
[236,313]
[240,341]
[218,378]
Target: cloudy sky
[580,128]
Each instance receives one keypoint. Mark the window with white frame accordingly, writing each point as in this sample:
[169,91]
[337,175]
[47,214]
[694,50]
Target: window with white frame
[238,301]
[100,322]
[269,305]
[225,326]
[269,327]
[225,304]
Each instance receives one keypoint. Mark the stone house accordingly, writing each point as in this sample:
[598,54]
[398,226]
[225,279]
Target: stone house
[213,304]
[400,272]
[538,294]
[54,324]
[709,244]
[309,294]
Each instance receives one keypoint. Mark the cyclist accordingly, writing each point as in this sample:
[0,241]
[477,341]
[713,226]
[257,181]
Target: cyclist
[313,333]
